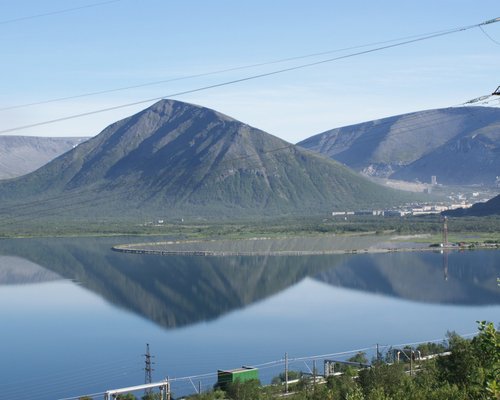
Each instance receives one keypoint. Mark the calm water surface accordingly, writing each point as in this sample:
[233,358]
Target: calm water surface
[76,316]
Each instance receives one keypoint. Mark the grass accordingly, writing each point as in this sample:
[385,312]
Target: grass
[462,237]
[469,230]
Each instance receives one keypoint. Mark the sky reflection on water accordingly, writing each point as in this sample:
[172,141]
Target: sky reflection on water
[85,333]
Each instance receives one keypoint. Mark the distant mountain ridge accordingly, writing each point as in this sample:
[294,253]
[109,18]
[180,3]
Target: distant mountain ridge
[389,274]
[20,155]
[16,271]
[175,157]
[458,145]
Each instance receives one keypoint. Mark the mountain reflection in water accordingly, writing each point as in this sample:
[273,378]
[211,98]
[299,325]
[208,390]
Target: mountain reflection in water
[175,291]
[18,271]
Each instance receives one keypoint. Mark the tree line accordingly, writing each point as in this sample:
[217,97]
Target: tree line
[469,371]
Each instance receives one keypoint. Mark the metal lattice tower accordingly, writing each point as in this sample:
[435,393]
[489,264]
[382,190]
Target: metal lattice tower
[148,369]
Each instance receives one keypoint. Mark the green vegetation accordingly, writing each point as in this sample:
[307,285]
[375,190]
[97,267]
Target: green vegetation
[151,396]
[176,160]
[292,375]
[460,229]
[127,396]
[470,372]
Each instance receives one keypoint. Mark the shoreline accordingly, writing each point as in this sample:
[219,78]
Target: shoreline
[378,246]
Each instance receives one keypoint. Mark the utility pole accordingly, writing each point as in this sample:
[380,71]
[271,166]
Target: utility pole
[286,372]
[411,362]
[148,369]
[314,376]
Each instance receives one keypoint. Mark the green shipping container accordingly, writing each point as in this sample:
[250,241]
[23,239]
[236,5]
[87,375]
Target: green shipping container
[242,374]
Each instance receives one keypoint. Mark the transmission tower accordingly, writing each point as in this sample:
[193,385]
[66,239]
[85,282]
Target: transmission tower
[148,369]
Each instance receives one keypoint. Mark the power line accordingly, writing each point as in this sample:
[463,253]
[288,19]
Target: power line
[66,10]
[280,362]
[252,77]
[96,368]
[204,74]
[489,36]
[55,387]
[424,122]
[24,211]
[88,373]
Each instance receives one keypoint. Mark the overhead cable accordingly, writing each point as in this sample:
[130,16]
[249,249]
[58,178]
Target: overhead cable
[489,36]
[66,10]
[204,74]
[249,78]
[24,212]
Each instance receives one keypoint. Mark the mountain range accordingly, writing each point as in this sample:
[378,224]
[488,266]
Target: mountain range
[175,158]
[20,155]
[458,145]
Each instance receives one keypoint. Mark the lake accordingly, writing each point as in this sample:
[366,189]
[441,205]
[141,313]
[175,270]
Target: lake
[76,316]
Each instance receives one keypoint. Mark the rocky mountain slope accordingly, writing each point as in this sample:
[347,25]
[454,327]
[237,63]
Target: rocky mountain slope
[459,145]
[177,159]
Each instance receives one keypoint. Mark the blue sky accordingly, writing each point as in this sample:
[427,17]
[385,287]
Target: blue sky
[131,42]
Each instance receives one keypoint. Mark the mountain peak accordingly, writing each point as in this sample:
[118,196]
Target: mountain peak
[170,107]
[177,157]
